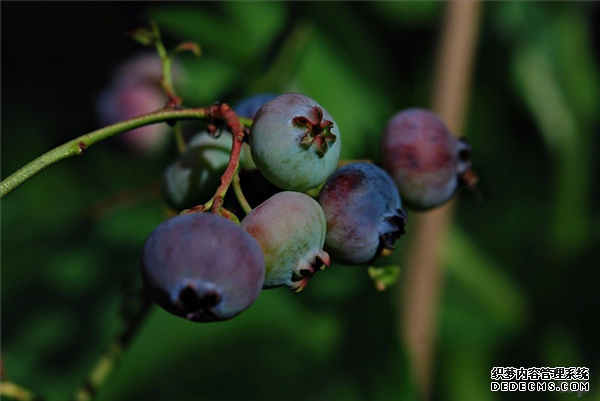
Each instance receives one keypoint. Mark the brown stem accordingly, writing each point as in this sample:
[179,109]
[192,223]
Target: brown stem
[236,128]
[423,281]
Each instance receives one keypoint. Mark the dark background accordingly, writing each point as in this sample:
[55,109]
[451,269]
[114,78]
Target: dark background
[521,279]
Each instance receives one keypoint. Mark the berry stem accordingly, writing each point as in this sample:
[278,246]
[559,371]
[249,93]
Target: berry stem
[181,146]
[166,82]
[236,128]
[246,122]
[166,79]
[237,189]
[229,216]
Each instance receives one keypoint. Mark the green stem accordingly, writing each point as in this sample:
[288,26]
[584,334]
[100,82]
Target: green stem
[166,79]
[16,392]
[236,127]
[229,216]
[237,189]
[181,146]
[77,146]
[246,122]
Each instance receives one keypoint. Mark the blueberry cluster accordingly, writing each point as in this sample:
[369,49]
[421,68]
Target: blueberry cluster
[204,267]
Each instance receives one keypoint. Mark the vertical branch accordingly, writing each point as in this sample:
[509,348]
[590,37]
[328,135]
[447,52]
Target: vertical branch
[166,78]
[423,283]
[112,355]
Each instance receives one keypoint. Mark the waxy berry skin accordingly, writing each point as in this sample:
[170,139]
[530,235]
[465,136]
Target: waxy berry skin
[295,142]
[195,176]
[202,267]
[290,228]
[363,211]
[121,103]
[424,158]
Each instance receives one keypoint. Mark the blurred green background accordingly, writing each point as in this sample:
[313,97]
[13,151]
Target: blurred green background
[522,276]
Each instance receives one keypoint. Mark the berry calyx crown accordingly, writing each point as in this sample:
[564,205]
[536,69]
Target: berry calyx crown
[318,132]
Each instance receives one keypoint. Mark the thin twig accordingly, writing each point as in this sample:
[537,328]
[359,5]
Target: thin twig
[236,128]
[237,189]
[112,355]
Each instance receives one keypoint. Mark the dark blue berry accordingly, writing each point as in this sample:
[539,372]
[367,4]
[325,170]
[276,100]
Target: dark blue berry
[202,267]
[363,211]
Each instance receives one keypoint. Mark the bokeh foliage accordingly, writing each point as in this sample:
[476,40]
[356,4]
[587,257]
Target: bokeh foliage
[521,275]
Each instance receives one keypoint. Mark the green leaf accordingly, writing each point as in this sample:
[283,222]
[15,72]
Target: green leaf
[384,276]
[143,36]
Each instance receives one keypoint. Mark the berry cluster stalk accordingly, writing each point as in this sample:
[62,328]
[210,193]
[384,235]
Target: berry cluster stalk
[78,146]
[234,125]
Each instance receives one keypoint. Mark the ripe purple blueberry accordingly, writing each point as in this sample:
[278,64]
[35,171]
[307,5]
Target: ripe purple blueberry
[202,267]
[363,211]
[427,162]
[290,228]
[295,142]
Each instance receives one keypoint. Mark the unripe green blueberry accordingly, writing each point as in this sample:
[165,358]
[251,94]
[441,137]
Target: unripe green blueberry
[193,179]
[290,228]
[295,142]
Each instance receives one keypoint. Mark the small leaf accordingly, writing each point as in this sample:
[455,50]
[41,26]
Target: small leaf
[143,36]
[192,47]
[384,276]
